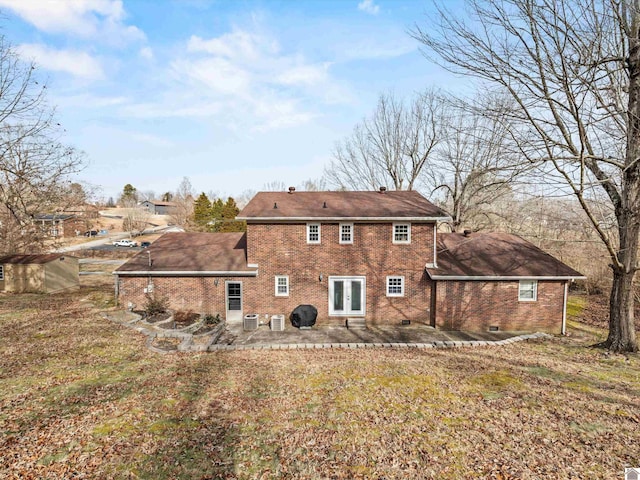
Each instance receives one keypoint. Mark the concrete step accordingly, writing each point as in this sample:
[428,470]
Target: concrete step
[358,322]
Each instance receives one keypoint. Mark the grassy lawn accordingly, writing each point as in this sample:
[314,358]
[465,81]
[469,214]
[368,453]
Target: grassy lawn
[82,398]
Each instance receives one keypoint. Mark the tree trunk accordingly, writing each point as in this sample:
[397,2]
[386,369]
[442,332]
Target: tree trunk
[622,335]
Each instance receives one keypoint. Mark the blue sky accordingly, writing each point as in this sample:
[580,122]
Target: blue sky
[232,94]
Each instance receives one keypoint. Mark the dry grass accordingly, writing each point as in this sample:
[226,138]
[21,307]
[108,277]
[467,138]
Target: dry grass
[81,397]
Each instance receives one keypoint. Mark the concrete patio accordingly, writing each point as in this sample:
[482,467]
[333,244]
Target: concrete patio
[232,336]
[409,334]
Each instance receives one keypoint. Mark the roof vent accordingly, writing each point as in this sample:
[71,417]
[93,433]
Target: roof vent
[324,205]
[466,233]
[292,189]
[275,205]
[383,189]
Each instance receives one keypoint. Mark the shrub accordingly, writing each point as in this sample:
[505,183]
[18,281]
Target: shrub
[156,305]
[210,319]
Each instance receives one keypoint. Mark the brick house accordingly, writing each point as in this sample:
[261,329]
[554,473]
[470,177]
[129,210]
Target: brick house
[372,255]
[59,225]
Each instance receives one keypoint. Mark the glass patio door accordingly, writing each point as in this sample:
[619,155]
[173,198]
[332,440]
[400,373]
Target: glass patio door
[347,296]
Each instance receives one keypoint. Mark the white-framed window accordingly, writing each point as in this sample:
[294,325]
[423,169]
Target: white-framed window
[401,233]
[395,286]
[1,272]
[313,233]
[528,290]
[346,233]
[282,286]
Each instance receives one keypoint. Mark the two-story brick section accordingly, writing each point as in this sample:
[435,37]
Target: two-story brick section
[372,255]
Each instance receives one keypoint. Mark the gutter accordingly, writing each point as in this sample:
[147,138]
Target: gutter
[343,219]
[187,273]
[502,277]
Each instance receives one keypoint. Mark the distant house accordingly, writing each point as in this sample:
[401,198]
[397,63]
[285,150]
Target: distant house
[156,207]
[44,273]
[86,211]
[59,225]
[376,256]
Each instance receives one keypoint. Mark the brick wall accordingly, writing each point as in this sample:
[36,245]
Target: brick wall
[282,249]
[475,306]
[199,294]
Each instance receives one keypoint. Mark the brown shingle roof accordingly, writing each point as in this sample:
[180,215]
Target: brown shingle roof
[340,205]
[31,259]
[198,253]
[494,255]
[160,203]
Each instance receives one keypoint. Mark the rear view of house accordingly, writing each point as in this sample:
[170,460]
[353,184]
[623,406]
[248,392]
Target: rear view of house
[44,273]
[373,256]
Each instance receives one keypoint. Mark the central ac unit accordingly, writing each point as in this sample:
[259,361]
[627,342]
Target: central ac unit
[277,323]
[251,321]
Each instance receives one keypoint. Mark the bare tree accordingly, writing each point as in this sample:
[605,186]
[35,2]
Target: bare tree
[313,185]
[275,186]
[571,67]
[473,165]
[183,203]
[135,216]
[391,147]
[34,163]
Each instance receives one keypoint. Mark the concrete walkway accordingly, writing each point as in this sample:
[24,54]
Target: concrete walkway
[411,336]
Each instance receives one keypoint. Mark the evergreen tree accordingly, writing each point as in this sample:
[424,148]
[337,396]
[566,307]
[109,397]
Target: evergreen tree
[202,213]
[229,211]
[129,195]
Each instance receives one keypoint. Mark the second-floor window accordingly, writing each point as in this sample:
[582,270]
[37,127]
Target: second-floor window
[346,233]
[401,233]
[313,233]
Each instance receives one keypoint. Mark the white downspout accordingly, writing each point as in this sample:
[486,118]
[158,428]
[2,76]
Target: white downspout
[564,308]
[435,241]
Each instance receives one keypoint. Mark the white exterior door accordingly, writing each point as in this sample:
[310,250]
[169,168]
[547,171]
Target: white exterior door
[233,300]
[347,296]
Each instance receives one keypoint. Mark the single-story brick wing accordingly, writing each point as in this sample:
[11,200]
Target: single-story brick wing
[376,256]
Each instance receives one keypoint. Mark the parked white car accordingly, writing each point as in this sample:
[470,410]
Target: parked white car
[125,243]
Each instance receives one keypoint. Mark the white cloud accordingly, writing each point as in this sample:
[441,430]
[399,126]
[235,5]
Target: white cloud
[86,18]
[304,75]
[89,101]
[373,49]
[146,53]
[247,81]
[79,64]
[237,44]
[149,139]
[369,7]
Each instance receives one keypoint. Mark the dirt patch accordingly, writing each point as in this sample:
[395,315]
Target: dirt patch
[185,319]
[158,317]
[167,344]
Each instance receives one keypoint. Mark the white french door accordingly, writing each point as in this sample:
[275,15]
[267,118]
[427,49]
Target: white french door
[347,296]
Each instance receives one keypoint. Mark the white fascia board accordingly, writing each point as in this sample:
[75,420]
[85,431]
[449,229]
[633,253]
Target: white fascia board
[344,219]
[499,277]
[186,273]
